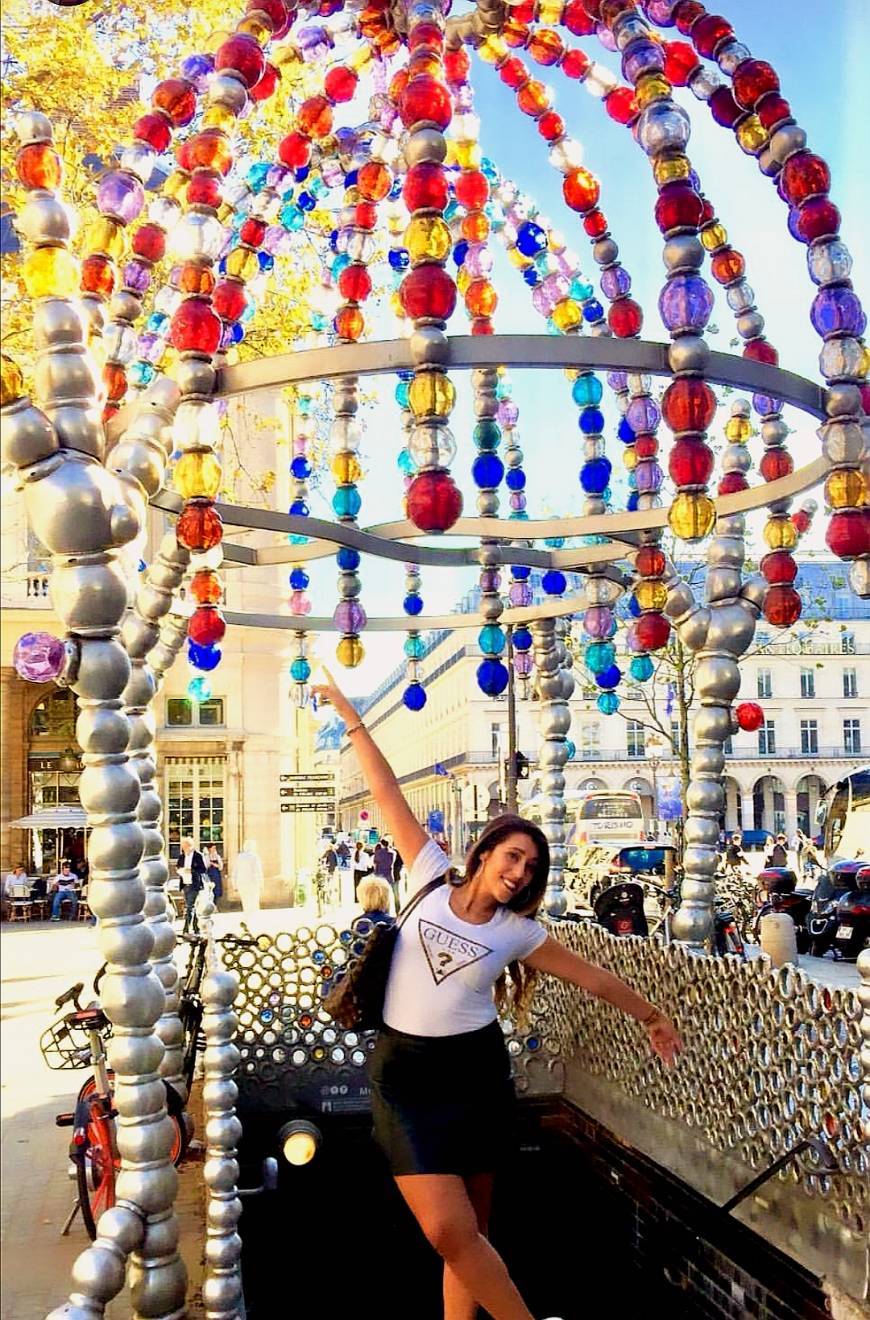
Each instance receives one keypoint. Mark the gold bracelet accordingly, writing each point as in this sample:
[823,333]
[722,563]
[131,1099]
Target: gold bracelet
[354,729]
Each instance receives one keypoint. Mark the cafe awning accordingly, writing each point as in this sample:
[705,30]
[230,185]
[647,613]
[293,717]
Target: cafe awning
[54,818]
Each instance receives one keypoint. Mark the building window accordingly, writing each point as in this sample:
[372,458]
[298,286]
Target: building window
[183,713]
[635,736]
[211,711]
[55,717]
[728,746]
[847,643]
[590,740]
[852,736]
[809,737]
[850,682]
[767,738]
[495,740]
[808,683]
[764,683]
[179,711]
[195,794]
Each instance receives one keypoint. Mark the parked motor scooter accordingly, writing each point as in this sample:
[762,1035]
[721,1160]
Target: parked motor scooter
[784,896]
[620,909]
[834,885]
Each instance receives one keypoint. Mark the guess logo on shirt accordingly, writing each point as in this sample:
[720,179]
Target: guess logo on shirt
[447,952]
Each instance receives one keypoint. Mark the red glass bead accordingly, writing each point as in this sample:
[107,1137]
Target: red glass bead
[724,108]
[275,11]
[651,631]
[595,223]
[649,561]
[817,218]
[38,166]
[355,283]
[804,175]
[749,716]
[678,206]
[524,12]
[779,567]
[209,150]
[428,291]
[115,381]
[646,446]
[801,521]
[593,8]
[581,190]
[688,404]
[687,14]
[253,231]
[193,278]
[551,126]
[472,189]
[314,117]
[515,34]
[621,105]
[267,84]
[108,412]
[229,299]
[207,624]
[575,64]
[773,110]
[149,241]
[775,463]
[424,63]
[177,99]
[731,483]
[365,215]
[205,587]
[482,325]
[195,328]
[625,318]
[457,65]
[204,189]
[760,350]
[708,32]
[434,501]
[154,129]
[752,80]
[534,98]
[727,265]
[707,212]
[199,526]
[398,83]
[349,323]
[680,62]
[848,534]
[546,47]
[782,606]
[690,462]
[373,181]
[428,35]
[425,187]
[340,84]
[864,391]
[98,275]
[577,20]
[513,73]
[294,151]
[243,55]
[426,98]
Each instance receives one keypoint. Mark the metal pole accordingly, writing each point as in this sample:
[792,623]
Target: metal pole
[511,802]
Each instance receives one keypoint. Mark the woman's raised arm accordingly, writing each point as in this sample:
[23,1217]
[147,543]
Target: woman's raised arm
[383,785]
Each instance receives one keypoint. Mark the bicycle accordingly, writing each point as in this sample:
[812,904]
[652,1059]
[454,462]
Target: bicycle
[191,1008]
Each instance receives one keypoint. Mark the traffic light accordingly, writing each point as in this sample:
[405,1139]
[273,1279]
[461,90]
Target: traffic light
[521,766]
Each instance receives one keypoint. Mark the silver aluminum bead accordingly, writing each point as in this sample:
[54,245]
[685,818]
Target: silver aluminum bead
[429,346]
[859,578]
[99,1273]
[599,330]
[706,796]
[349,586]
[663,126]
[57,321]
[226,89]
[717,678]
[158,1289]
[487,503]
[767,163]
[693,628]
[491,608]
[842,442]
[786,141]
[425,144]
[122,1227]
[44,219]
[736,458]
[102,730]
[124,306]
[774,432]
[146,1143]
[31,126]
[143,462]
[843,400]
[131,942]
[88,596]
[689,353]
[195,375]
[107,790]
[683,252]
[78,427]
[698,862]
[702,831]
[26,435]
[605,251]
[750,325]
[712,724]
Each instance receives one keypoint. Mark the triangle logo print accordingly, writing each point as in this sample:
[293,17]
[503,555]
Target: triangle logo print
[446,952]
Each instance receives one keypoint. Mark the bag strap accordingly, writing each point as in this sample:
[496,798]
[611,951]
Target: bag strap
[418,897]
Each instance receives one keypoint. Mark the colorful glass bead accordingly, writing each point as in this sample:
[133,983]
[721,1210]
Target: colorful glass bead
[199,526]
[492,677]
[350,652]
[608,703]
[848,533]
[431,394]
[780,533]
[206,658]
[197,473]
[749,716]
[195,327]
[38,166]
[782,606]
[121,195]
[414,697]
[688,404]
[690,462]
[428,291]
[581,190]
[176,97]
[425,98]
[691,516]
[207,625]
[51,272]
[434,501]
[243,56]
[425,187]
[39,657]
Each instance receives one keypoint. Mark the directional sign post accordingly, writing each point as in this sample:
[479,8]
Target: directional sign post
[307,792]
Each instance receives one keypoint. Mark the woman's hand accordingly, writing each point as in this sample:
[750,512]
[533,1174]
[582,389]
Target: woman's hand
[664,1039]
[330,692]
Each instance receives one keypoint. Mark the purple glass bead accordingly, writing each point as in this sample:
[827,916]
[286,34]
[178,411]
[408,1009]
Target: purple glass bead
[660,12]
[478,260]
[490,579]
[605,36]
[121,196]
[541,301]
[522,663]
[836,310]
[39,657]
[151,348]
[764,404]
[615,282]
[349,616]
[272,238]
[227,337]
[508,413]
[794,216]
[643,415]
[631,638]
[517,501]
[464,97]
[520,594]
[649,476]
[617,380]
[279,178]
[598,621]
[557,286]
[136,277]
[567,263]
[197,69]
[685,303]
[640,58]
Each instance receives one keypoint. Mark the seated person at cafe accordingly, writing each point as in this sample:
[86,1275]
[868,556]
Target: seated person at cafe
[63,887]
[14,885]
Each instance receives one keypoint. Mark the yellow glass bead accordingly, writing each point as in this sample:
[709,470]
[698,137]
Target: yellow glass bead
[395,224]
[629,458]
[781,534]
[11,381]
[691,516]
[396,305]
[651,595]
[431,394]
[493,50]
[846,489]
[427,238]
[51,272]
[98,351]
[738,429]
[463,279]
[360,58]
[350,652]
[252,27]
[516,258]
[752,135]
[198,473]
[231,356]
[216,39]
[106,236]
[668,169]
[225,210]
[468,155]
[651,87]
[176,184]
[864,364]
[550,12]
[285,55]
[450,156]
[713,236]
[242,263]
[346,469]
[567,315]
[218,116]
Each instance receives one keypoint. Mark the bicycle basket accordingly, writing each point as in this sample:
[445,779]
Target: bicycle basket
[64,1046]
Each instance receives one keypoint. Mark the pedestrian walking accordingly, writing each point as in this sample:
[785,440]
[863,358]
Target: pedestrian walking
[362,864]
[215,872]
[442,1096]
[382,865]
[777,854]
[191,868]
[249,877]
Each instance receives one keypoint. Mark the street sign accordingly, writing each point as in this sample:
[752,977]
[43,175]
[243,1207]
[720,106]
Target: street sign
[307,792]
[305,806]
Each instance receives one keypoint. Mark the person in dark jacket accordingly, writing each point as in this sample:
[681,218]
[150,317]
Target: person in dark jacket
[778,854]
[191,867]
[383,867]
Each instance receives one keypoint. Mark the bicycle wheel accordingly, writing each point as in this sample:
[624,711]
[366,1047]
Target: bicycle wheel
[96,1166]
[182,1124]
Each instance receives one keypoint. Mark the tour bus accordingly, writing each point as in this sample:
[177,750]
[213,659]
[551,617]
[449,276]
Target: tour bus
[599,817]
[843,818]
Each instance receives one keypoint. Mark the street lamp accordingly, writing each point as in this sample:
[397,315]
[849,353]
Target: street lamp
[654,749]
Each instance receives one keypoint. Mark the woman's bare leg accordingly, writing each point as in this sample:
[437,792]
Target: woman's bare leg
[458,1301]
[442,1207]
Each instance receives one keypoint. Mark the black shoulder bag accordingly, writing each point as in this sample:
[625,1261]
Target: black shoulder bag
[356,1001]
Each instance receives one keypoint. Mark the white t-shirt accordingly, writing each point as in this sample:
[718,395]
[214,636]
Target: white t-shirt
[444,969]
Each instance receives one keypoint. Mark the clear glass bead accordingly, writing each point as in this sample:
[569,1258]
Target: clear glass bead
[121,343]
[345,435]
[361,247]
[164,211]
[740,296]
[841,357]
[197,236]
[828,261]
[731,55]
[566,155]
[139,159]
[703,83]
[432,445]
[600,81]
[196,425]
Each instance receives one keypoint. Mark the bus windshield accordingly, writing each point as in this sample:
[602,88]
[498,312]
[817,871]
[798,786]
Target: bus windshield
[611,806]
[847,822]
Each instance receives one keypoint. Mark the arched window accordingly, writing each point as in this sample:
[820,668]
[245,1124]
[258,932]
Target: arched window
[55,716]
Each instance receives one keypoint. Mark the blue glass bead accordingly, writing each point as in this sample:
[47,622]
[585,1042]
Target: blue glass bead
[291,217]
[415,648]
[346,502]
[222,266]
[141,566]
[348,559]
[542,264]
[306,202]
[633,607]
[554,582]
[300,468]
[250,310]
[412,604]
[522,639]
[631,481]
[236,333]
[491,639]
[300,670]
[487,471]
[402,394]
[570,748]
[531,277]
[625,433]
[591,421]
[764,404]
[450,209]
[206,658]
[405,375]
[199,689]
[396,189]
[142,373]
[685,303]
[304,404]
[414,696]
[492,677]
[641,668]
[599,657]
[299,579]
[520,572]
[460,252]
[197,66]
[295,539]
[515,479]
[351,178]
[593,311]
[333,239]
[319,321]
[519,515]
[631,502]
[608,703]
[257,175]
[341,262]
[580,291]
[405,463]
[299,507]
[302,173]
[794,217]
[554,542]
[399,258]
[837,310]
[587,391]
[487,434]
[609,678]
[156,323]
[595,475]
[531,238]
[488,168]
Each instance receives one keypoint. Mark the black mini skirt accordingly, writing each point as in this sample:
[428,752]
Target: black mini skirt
[442,1104]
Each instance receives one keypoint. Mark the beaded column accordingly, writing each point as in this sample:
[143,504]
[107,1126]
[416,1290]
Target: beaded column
[864,1000]
[555,685]
[414,696]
